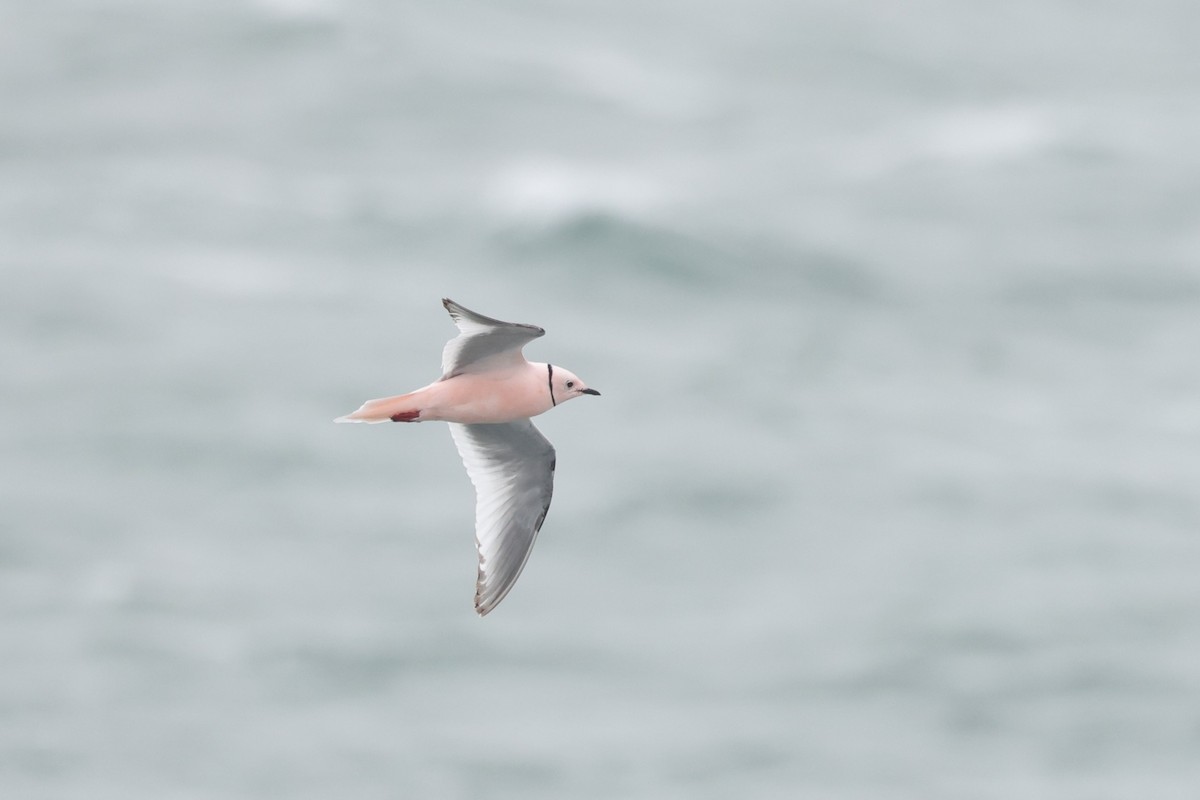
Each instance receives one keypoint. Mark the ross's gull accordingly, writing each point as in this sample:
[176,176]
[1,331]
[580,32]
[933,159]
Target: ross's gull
[488,392]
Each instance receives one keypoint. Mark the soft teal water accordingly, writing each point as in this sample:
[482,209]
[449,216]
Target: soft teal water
[892,491]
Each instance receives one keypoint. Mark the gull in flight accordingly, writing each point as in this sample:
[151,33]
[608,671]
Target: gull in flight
[488,392]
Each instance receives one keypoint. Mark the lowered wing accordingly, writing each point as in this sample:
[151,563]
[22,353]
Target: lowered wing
[511,465]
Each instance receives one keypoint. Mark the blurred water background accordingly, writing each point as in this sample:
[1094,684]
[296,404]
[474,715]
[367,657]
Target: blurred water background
[892,491]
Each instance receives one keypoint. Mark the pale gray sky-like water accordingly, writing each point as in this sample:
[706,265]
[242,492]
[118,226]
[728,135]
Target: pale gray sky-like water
[891,492]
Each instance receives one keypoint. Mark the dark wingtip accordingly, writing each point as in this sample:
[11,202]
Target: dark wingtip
[456,311]
[485,606]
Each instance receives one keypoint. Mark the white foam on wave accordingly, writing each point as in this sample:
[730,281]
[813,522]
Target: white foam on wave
[980,135]
[301,9]
[546,190]
[984,134]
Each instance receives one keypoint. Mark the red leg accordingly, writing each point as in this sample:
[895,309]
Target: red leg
[406,416]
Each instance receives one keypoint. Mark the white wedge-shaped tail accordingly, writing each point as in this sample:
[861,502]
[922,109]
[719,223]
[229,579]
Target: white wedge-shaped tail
[400,408]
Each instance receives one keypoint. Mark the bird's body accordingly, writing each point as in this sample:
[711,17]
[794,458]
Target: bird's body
[518,392]
[488,392]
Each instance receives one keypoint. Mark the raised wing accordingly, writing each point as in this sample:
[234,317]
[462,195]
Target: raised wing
[512,467]
[483,343]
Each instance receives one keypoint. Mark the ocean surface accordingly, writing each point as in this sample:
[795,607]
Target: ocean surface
[893,490]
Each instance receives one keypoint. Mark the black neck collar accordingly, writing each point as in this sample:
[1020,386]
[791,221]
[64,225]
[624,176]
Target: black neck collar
[550,381]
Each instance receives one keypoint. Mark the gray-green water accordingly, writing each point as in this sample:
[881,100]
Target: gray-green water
[892,491]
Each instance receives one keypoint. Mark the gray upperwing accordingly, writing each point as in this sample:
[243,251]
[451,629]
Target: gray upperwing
[511,465]
[483,342]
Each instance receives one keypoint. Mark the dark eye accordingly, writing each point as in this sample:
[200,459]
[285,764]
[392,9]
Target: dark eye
[570,384]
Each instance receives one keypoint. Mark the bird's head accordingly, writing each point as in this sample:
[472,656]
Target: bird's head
[566,385]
